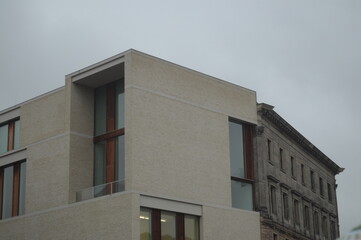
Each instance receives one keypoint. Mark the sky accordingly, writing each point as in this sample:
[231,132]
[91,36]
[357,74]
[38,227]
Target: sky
[303,57]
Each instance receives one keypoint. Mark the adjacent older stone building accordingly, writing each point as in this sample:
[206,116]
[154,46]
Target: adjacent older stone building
[295,182]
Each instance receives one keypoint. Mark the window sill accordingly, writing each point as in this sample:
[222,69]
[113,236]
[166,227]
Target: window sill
[294,178]
[270,162]
[283,170]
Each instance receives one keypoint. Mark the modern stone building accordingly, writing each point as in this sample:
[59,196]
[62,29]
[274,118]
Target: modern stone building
[135,147]
[295,190]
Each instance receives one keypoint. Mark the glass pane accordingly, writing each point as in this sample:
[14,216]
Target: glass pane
[236,149]
[99,166]
[22,188]
[16,134]
[167,221]
[242,195]
[145,224]
[119,94]
[4,139]
[100,110]
[7,192]
[119,164]
[191,228]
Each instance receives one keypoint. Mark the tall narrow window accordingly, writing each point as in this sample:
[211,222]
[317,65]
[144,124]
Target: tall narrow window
[329,192]
[273,200]
[12,188]
[303,173]
[281,159]
[316,224]
[269,150]
[306,217]
[312,176]
[333,230]
[109,138]
[324,227]
[275,236]
[296,211]
[9,135]
[164,225]
[321,186]
[285,206]
[240,141]
[292,167]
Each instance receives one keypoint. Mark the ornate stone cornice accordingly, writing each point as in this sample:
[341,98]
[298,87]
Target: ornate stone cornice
[270,115]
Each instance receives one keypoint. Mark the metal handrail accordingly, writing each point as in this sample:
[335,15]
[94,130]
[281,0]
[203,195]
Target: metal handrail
[100,190]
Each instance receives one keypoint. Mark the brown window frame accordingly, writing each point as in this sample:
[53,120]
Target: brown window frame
[11,133]
[111,133]
[156,231]
[16,188]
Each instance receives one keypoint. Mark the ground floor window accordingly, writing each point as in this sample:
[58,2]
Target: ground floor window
[12,189]
[165,225]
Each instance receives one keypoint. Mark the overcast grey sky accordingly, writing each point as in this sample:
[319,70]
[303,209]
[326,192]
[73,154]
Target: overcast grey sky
[303,57]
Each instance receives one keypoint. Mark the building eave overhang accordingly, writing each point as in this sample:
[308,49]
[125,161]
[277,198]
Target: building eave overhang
[269,114]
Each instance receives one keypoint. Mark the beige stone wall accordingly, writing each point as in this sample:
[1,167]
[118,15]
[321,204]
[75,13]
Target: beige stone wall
[42,118]
[110,217]
[176,149]
[187,85]
[219,223]
[47,174]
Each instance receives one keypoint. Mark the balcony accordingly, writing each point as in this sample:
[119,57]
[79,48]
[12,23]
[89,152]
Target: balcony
[100,190]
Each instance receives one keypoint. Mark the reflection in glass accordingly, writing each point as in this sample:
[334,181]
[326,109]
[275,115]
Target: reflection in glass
[242,195]
[22,188]
[16,133]
[100,110]
[7,192]
[236,149]
[145,224]
[167,220]
[4,139]
[119,163]
[191,227]
[99,166]
[119,94]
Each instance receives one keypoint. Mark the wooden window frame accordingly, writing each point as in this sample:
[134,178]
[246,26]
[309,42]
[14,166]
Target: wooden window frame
[156,231]
[11,133]
[110,135]
[16,188]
